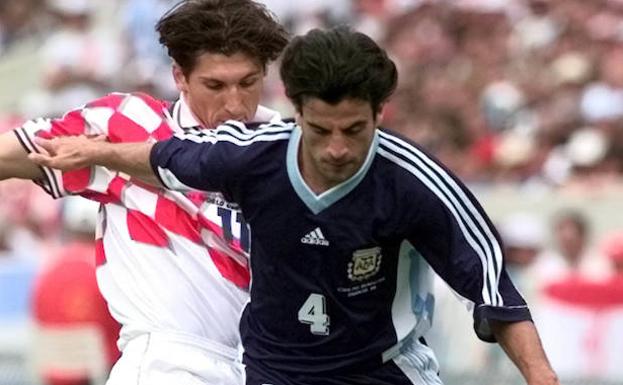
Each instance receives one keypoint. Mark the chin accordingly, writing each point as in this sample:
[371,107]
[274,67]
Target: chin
[339,178]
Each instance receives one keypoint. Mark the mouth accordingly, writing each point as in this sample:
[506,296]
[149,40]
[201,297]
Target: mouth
[337,165]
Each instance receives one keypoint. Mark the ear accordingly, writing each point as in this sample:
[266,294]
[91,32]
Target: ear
[180,78]
[298,118]
[379,115]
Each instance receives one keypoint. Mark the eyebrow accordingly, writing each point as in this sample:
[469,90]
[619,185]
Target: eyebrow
[211,79]
[357,123]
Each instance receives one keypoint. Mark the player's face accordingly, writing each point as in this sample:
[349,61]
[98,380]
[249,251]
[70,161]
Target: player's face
[335,140]
[222,87]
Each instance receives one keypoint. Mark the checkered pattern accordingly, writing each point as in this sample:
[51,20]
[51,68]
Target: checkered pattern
[161,255]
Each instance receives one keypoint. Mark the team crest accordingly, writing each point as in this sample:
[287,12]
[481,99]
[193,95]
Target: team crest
[365,264]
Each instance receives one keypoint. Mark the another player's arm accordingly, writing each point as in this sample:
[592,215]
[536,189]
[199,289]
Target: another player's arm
[14,162]
[176,164]
[521,343]
[76,152]
[201,163]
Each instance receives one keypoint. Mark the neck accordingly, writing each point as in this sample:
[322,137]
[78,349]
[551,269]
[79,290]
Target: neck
[311,176]
[194,116]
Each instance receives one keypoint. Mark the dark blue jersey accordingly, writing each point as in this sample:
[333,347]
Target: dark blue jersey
[332,286]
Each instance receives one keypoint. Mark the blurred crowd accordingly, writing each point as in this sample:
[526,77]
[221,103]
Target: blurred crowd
[571,277]
[527,92]
[520,92]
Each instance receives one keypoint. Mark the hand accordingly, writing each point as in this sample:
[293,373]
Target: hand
[67,153]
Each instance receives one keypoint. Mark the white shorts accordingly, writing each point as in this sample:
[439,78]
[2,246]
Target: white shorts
[164,359]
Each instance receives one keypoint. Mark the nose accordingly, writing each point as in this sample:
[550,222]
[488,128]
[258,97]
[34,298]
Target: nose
[234,105]
[337,148]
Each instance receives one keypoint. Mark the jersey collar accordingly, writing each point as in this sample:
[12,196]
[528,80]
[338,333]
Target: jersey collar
[185,119]
[317,203]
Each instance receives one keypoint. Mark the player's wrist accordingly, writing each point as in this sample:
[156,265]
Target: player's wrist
[100,154]
[545,377]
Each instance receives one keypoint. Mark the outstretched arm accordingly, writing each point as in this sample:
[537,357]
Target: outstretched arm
[521,343]
[75,152]
[190,162]
[14,162]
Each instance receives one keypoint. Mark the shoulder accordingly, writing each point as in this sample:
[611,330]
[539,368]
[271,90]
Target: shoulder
[410,159]
[128,117]
[121,100]
[256,128]
[403,152]
[243,134]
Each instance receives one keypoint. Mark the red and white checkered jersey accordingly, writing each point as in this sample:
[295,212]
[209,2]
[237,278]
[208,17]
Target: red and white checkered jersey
[167,261]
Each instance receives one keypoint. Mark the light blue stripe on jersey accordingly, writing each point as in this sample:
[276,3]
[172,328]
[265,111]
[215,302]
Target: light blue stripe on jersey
[472,224]
[414,303]
[317,203]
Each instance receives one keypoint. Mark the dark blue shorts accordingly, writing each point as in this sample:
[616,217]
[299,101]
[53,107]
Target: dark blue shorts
[388,374]
[414,365]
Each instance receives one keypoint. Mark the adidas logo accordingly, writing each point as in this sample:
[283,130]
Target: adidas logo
[315,237]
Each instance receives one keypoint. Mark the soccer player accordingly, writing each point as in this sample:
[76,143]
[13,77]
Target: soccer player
[332,201]
[173,267]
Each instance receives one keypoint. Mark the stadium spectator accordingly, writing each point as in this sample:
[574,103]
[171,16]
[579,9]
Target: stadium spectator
[613,248]
[523,236]
[17,272]
[592,312]
[75,335]
[146,59]
[79,62]
[573,253]
[19,20]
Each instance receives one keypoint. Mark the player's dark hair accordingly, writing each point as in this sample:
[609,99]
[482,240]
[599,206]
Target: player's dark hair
[336,64]
[194,27]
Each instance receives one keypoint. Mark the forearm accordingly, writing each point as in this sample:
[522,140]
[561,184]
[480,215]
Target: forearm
[521,343]
[129,158]
[77,152]
[14,162]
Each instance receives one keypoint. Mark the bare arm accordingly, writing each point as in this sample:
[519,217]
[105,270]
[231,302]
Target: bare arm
[14,162]
[521,343]
[71,153]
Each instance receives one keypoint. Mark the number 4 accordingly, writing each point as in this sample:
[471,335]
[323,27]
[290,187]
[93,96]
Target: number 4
[314,313]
